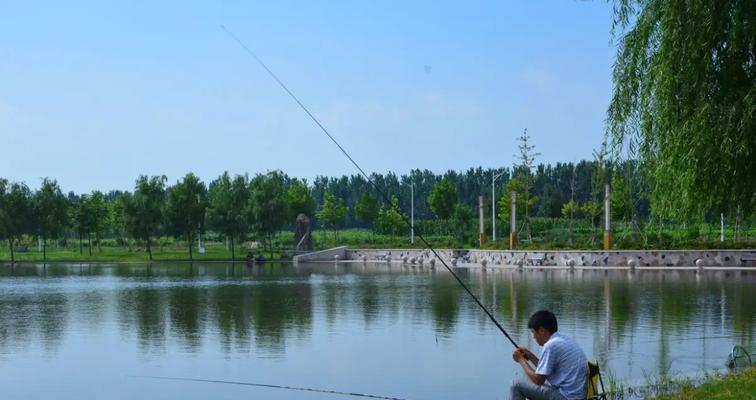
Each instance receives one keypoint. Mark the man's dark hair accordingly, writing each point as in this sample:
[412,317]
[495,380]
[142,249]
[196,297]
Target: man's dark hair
[545,319]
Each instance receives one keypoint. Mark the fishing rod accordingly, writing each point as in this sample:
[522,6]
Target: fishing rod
[373,184]
[266,385]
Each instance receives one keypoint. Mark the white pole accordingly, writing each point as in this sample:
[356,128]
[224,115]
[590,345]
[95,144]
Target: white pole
[607,205]
[513,222]
[607,218]
[721,227]
[493,205]
[513,216]
[412,212]
[480,213]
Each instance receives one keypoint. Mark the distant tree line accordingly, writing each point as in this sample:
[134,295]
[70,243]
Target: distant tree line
[236,208]
[240,208]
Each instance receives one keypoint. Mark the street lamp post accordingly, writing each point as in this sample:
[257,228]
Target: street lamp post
[494,175]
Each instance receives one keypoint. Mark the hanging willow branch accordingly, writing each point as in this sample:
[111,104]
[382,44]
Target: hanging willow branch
[684,101]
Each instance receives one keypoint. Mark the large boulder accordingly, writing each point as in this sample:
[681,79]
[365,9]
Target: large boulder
[302,234]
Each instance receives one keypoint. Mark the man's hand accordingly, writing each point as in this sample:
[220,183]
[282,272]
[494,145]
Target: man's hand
[527,354]
[521,356]
[518,355]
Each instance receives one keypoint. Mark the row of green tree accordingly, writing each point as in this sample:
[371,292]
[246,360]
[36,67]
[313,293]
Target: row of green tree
[239,207]
[233,207]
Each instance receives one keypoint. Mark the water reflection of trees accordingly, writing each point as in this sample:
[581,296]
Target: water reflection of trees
[264,307]
[28,316]
[187,308]
[143,310]
[444,304]
[278,312]
[369,299]
[616,306]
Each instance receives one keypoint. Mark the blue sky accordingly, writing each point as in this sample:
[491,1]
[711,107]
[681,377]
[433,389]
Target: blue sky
[94,94]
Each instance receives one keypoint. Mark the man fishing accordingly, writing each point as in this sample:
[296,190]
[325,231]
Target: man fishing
[562,361]
[562,364]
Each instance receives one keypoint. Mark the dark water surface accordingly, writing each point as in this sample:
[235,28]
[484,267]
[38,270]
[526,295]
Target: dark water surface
[85,331]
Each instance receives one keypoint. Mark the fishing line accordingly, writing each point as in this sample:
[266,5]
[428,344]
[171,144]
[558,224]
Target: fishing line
[377,189]
[265,385]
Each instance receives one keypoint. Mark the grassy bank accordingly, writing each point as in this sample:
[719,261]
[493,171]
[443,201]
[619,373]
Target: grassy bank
[171,249]
[172,252]
[739,385]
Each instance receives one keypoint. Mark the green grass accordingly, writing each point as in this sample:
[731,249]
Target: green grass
[366,239]
[547,234]
[171,252]
[740,385]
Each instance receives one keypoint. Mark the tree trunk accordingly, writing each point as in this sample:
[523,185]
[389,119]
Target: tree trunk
[149,248]
[233,258]
[10,246]
[80,249]
[44,249]
[189,241]
[89,242]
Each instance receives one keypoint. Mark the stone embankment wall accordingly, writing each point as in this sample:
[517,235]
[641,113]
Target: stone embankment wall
[624,258]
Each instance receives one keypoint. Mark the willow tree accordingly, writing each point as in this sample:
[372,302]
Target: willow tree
[685,101]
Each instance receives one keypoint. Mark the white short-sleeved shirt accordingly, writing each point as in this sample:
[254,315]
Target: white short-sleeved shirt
[564,365]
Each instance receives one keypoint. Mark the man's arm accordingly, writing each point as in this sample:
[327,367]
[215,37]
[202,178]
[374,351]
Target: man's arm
[529,355]
[535,378]
[521,357]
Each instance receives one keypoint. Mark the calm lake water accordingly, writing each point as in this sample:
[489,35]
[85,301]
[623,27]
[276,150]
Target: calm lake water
[87,331]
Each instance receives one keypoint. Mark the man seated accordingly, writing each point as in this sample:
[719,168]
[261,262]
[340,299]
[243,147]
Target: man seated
[562,363]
